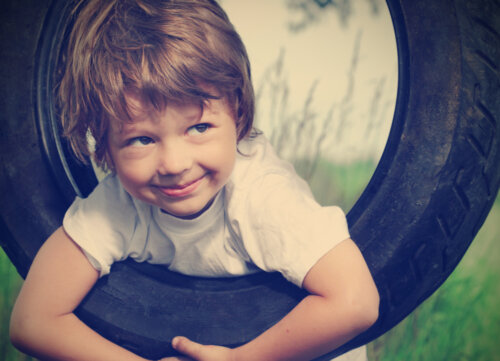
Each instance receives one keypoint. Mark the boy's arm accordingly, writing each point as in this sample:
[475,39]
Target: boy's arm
[343,302]
[43,323]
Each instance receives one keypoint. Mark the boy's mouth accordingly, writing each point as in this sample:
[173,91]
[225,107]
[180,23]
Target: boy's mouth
[181,190]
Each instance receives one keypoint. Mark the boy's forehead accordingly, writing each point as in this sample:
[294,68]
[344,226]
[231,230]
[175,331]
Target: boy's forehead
[140,110]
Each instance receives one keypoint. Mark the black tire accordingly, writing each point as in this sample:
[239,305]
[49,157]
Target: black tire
[434,186]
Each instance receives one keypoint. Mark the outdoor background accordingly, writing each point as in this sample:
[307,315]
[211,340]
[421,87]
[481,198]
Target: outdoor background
[325,74]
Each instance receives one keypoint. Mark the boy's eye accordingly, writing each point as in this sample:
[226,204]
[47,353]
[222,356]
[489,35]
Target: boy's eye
[198,129]
[139,141]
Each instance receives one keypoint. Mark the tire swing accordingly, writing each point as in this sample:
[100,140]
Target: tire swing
[432,190]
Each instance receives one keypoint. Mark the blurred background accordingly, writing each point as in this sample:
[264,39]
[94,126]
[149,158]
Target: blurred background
[325,75]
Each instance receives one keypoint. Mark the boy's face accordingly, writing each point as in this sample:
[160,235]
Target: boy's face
[177,159]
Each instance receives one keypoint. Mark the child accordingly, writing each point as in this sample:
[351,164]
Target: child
[164,88]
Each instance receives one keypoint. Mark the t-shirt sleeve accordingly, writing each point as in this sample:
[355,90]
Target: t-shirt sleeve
[288,230]
[103,224]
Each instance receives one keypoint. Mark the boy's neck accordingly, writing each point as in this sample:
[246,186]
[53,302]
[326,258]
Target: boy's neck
[194,215]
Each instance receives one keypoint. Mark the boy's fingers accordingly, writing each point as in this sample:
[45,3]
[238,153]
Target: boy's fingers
[187,347]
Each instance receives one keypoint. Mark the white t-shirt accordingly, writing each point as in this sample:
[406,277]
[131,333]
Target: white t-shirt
[265,218]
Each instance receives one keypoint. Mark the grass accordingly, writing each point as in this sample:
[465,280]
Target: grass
[9,287]
[459,322]
[339,184]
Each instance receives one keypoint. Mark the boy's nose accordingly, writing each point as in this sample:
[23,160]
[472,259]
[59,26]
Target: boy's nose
[174,160]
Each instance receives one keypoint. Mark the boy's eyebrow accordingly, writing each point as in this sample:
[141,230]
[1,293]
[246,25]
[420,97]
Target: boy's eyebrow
[123,128]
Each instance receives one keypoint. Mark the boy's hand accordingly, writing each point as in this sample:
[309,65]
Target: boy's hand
[199,352]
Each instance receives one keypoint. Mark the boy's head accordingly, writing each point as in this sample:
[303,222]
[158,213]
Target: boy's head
[161,50]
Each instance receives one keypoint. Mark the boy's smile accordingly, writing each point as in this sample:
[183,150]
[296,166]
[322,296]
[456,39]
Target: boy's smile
[177,159]
[181,190]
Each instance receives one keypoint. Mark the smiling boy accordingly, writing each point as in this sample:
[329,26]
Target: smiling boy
[164,88]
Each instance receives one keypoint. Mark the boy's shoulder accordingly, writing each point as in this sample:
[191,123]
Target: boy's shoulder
[259,169]
[109,195]
[110,188]
[256,158]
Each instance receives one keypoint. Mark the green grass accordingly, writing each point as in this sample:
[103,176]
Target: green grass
[9,287]
[459,322]
[339,184]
